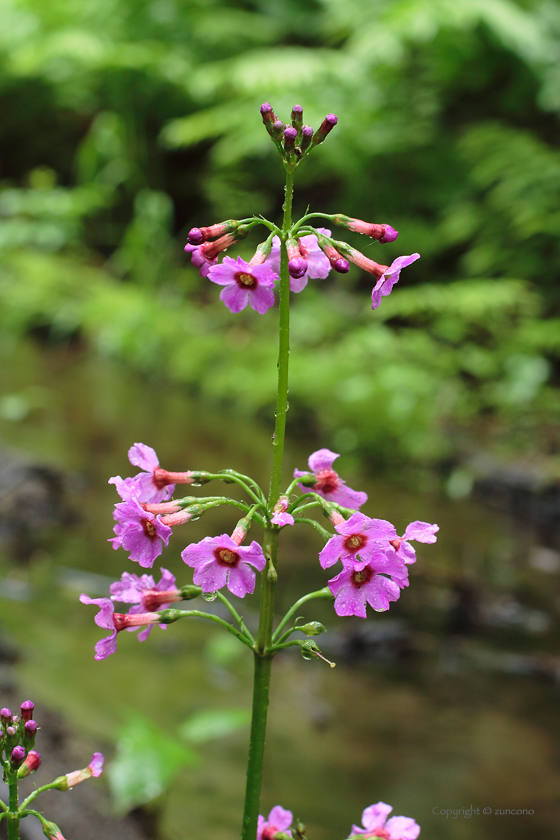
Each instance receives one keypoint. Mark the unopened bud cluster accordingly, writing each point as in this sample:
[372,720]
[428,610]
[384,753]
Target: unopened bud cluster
[294,139]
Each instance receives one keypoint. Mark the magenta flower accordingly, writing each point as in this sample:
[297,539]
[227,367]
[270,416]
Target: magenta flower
[390,276]
[280,516]
[94,768]
[328,483]
[146,595]
[278,820]
[153,481]
[108,619]
[199,259]
[128,488]
[219,562]
[370,583]
[30,765]
[244,284]
[376,824]
[139,532]
[318,265]
[421,531]
[359,535]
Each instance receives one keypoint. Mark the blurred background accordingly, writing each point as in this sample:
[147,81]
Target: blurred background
[126,122]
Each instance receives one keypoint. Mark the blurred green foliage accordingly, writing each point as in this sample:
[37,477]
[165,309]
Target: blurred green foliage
[125,122]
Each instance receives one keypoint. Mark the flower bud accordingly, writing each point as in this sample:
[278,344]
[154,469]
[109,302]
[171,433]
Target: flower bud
[382,233]
[326,126]
[29,733]
[12,736]
[31,763]
[94,768]
[306,137]
[290,134]
[262,253]
[297,266]
[190,591]
[178,518]
[268,115]
[6,716]
[51,830]
[297,117]
[17,756]
[241,530]
[313,628]
[199,235]
[195,236]
[277,131]
[27,710]
[337,261]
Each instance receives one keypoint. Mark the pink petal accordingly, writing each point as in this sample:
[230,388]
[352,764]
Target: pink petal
[224,273]
[241,580]
[402,828]
[332,552]
[298,284]
[375,815]
[234,298]
[143,456]
[322,459]
[252,554]
[96,764]
[421,531]
[261,298]
[210,577]
[281,818]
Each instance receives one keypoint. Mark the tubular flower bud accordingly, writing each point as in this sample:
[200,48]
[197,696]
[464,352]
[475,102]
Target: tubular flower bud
[17,756]
[179,518]
[290,134]
[210,250]
[306,137]
[146,595]
[31,763]
[6,716]
[94,768]
[382,233]
[326,126]
[29,733]
[261,254]
[297,117]
[241,530]
[52,831]
[27,710]
[163,508]
[277,131]
[199,235]
[297,265]
[12,736]
[268,116]
[337,261]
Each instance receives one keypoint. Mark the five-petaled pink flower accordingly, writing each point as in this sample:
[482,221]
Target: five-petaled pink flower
[244,284]
[328,483]
[94,768]
[139,532]
[376,824]
[108,619]
[421,531]
[358,535]
[155,483]
[219,562]
[376,582]
[146,595]
[318,265]
[278,820]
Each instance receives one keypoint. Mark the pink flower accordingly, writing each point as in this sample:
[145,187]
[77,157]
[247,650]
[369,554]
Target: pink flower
[244,284]
[108,619]
[421,531]
[128,488]
[318,266]
[219,562]
[30,765]
[157,484]
[328,483]
[280,516]
[146,595]
[278,820]
[199,259]
[389,277]
[359,535]
[374,820]
[139,532]
[368,583]
[94,768]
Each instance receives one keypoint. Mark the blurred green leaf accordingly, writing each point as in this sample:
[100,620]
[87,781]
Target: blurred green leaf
[213,724]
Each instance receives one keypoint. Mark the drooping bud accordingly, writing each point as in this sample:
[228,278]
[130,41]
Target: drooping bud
[51,830]
[29,733]
[306,137]
[313,628]
[211,249]
[190,591]
[94,768]
[297,266]
[337,261]
[297,117]
[262,253]
[268,116]
[179,518]
[290,135]
[199,235]
[310,650]
[382,233]
[27,710]
[30,765]
[241,529]
[17,756]
[325,128]
[162,507]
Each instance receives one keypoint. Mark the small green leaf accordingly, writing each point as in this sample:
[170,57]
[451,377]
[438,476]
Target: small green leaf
[146,762]
[214,723]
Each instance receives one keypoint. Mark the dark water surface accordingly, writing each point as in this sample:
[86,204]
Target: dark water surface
[448,701]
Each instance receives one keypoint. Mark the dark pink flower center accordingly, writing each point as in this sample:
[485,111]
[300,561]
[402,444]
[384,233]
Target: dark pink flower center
[149,528]
[269,831]
[396,543]
[378,832]
[245,281]
[362,577]
[227,557]
[327,481]
[355,542]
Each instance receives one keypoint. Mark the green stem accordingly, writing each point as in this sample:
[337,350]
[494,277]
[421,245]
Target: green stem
[319,593]
[263,655]
[237,617]
[303,220]
[169,616]
[313,522]
[13,810]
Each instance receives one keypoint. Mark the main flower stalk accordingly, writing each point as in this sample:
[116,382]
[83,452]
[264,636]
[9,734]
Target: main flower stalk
[262,653]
